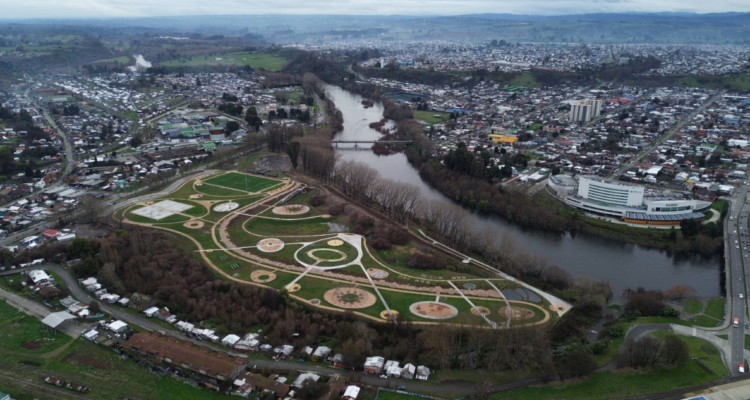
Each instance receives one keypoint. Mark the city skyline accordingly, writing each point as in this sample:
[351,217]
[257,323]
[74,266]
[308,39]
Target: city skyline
[93,9]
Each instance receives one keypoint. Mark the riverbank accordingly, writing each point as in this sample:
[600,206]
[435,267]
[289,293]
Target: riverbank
[577,252]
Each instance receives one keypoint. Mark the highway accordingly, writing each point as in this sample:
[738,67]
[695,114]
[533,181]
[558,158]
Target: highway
[738,240]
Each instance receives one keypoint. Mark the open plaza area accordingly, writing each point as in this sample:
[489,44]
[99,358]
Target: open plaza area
[249,229]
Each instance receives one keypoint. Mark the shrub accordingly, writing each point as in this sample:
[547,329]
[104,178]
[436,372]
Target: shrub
[423,261]
[318,200]
[599,347]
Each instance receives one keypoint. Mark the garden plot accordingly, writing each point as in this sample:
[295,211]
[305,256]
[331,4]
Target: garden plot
[162,209]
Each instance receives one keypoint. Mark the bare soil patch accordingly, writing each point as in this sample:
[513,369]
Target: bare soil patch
[86,360]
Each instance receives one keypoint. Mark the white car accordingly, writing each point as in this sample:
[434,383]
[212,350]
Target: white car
[742,296]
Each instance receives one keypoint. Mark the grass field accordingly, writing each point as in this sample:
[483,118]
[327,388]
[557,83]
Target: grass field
[247,183]
[17,327]
[715,308]
[431,117]
[121,60]
[693,306]
[383,395]
[121,379]
[625,383]
[241,59]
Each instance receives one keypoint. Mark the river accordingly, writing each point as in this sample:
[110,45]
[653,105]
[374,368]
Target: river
[622,264]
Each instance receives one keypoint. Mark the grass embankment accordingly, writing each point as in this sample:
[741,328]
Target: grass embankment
[120,379]
[627,382]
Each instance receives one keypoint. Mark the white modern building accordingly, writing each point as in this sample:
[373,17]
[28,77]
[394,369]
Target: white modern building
[584,110]
[626,201]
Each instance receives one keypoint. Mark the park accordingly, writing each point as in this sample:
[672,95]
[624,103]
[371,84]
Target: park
[265,231]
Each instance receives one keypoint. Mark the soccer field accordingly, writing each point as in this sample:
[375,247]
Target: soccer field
[242,182]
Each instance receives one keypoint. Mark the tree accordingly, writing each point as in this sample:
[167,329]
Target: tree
[198,82]
[292,150]
[482,389]
[642,352]
[135,142]
[231,127]
[675,350]
[80,248]
[86,268]
[577,363]
[94,307]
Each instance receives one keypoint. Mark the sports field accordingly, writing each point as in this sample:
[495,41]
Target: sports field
[247,183]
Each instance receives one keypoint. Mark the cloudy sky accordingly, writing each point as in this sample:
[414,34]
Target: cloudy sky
[152,8]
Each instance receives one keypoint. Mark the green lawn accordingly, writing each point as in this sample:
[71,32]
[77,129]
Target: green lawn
[121,60]
[383,395]
[702,320]
[17,327]
[276,228]
[715,308]
[625,383]
[693,307]
[122,379]
[242,182]
[619,383]
[431,117]
[241,58]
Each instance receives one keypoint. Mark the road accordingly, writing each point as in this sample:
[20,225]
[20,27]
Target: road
[677,127]
[737,241]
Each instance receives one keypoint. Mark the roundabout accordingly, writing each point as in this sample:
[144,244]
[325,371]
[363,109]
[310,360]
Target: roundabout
[350,297]
[433,310]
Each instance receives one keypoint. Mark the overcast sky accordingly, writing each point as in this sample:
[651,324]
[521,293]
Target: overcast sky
[152,8]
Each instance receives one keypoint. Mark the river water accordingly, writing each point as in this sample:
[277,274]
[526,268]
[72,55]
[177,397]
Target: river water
[623,265]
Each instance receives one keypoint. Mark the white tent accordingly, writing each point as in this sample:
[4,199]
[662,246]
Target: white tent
[55,319]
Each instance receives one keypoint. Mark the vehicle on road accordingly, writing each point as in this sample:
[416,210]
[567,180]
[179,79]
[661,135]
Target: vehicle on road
[384,376]
[742,369]
[742,296]
[736,322]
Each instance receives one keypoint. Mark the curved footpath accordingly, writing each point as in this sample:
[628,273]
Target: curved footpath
[447,388]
